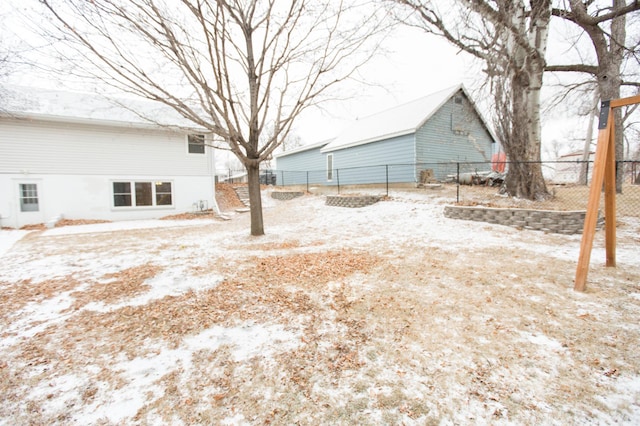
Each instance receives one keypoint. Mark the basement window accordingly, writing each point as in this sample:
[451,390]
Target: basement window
[142,194]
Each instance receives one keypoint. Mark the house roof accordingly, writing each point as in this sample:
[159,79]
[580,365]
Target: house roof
[303,148]
[401,120]
[88,108]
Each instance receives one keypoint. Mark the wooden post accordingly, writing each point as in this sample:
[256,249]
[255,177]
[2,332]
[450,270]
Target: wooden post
[610,197]
[604,171]
[593,205]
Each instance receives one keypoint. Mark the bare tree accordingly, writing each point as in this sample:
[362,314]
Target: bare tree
[509,38]
[243,69]
[605,23]
[7,59]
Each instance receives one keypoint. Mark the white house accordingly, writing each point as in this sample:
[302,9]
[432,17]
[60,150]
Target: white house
[79,156]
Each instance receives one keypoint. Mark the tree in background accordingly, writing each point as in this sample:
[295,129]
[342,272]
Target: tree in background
[509,37]
[8,59]
[242,69]
[605,23]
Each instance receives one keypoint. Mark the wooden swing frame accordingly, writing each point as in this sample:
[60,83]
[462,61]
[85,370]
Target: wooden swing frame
[604,171]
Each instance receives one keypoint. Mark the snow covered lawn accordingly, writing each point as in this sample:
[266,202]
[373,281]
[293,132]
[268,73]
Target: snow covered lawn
[389,314]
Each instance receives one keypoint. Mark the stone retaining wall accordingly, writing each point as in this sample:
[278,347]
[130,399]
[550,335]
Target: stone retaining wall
[286,195]
[352,201]
[560,222]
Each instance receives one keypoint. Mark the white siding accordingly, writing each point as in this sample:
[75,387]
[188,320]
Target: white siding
[75,166]
[58,148]
[91,197]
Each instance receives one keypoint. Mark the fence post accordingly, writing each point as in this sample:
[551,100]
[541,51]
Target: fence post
[586,175]
[386,166]
[458,182]
[283,178]
[338,179]
[307,181]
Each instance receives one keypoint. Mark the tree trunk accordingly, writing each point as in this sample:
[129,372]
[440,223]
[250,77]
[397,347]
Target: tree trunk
[255,199]
[524,178]
[583,179]
[609,82]
[523,143]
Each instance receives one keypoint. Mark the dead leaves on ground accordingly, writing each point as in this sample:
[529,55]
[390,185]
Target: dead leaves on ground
[75,222]
[209,214]
[227,198]
[14,296]
[312,269]
[119,286]
[264,289]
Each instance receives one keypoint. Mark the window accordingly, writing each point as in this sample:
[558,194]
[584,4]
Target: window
[196,144]
[121,194]
[163,194]
[142,194]
[144,197]
[329,166]
[29,197]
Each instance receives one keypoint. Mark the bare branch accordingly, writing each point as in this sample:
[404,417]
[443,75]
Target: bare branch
[589,69]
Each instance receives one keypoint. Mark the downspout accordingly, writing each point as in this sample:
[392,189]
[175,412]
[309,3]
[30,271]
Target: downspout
[212,175]
[416,178]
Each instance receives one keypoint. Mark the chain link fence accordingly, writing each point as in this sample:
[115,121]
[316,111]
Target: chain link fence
[462,183]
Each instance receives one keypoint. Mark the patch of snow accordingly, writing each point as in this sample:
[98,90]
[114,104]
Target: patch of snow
[141,374]
[8,238]
[124,226]
[542,340]
[173,282]
[36,317]
[236,420]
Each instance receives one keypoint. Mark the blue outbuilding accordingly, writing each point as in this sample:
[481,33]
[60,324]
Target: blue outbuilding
[431,134]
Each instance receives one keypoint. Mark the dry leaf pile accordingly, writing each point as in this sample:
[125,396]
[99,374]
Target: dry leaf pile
[74,222]
[14,296]
[209,214]
[227,198]
[116,287]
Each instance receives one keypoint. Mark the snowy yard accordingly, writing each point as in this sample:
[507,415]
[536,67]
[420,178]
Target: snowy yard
[389,314]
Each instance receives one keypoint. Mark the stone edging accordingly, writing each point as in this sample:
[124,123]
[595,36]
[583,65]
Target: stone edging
[352,201]
[286,195]
[560,222]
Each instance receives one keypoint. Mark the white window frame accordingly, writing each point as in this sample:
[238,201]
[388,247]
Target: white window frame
[189,143]
[329,167]
[154,194]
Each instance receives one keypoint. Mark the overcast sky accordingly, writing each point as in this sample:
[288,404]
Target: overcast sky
[415,65]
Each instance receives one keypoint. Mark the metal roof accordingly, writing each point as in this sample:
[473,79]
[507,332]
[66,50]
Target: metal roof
[401,120]
[88,108]
[303,148]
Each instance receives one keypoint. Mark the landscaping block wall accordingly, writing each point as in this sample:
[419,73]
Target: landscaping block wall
[561,222]
[351,201]
[286,195]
